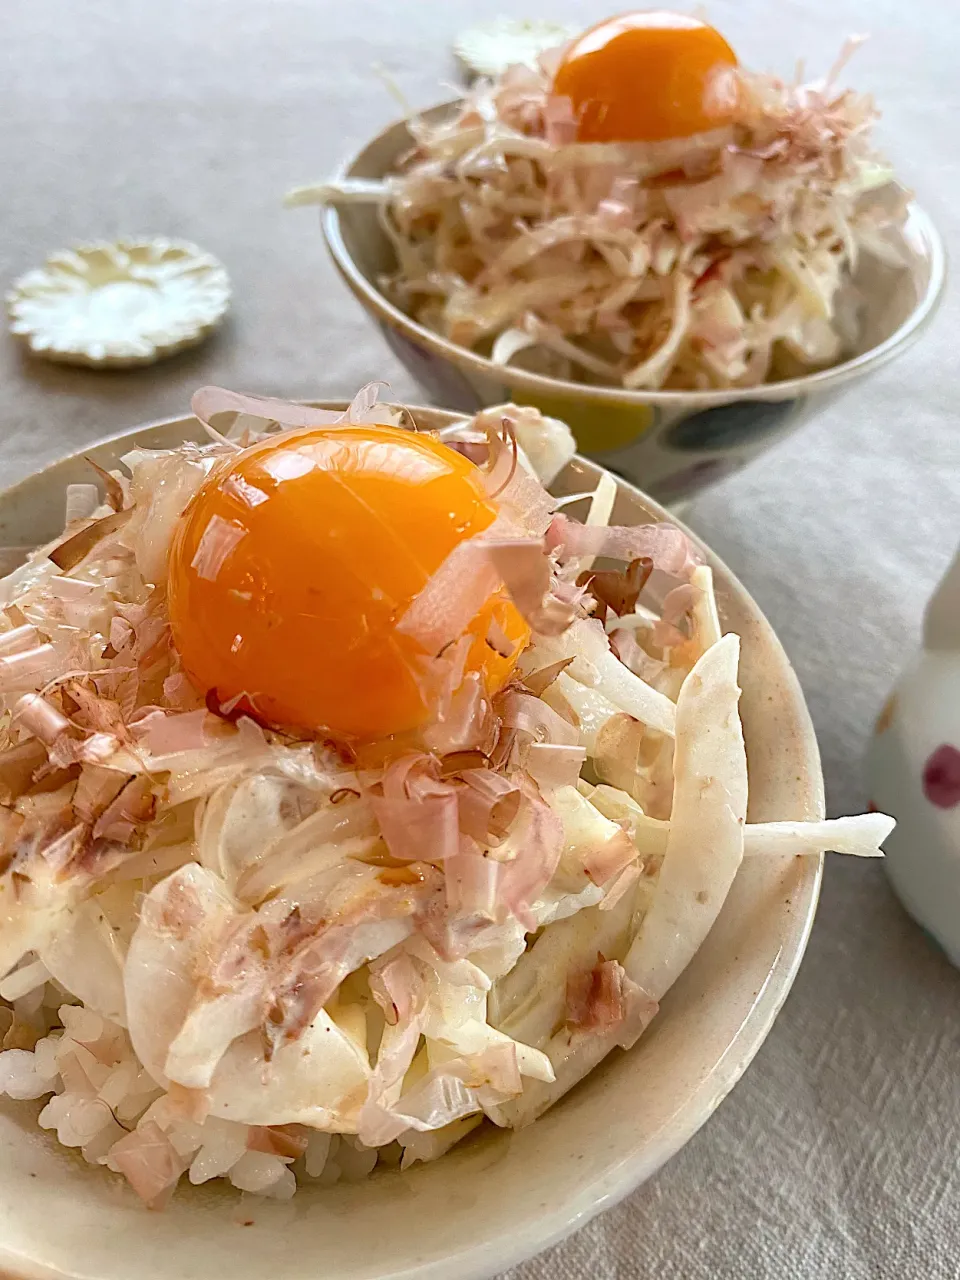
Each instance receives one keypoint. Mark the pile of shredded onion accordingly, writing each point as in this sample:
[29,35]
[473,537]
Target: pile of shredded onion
[294,937]
[706,262]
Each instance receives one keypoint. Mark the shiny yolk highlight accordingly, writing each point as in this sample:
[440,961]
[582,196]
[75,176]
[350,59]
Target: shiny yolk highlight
[292,565]
[645,77]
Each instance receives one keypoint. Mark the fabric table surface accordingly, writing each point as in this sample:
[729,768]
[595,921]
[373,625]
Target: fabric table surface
[836,1156]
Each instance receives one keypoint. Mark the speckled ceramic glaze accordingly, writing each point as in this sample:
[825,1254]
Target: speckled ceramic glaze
[914,768]
[498,1197]
[671,443]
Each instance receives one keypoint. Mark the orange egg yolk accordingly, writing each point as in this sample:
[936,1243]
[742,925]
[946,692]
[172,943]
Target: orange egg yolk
[292,565]
[645,77]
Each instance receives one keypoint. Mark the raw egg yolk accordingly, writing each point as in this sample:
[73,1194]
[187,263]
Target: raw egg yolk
[292,565]
[645,77]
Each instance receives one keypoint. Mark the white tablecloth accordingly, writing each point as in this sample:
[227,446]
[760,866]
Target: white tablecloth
[837,1154]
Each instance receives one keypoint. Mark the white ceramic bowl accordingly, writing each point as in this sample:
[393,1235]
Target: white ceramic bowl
[671,443]
[499,1197]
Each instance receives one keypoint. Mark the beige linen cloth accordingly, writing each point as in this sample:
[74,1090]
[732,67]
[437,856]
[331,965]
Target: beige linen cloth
[837,1155]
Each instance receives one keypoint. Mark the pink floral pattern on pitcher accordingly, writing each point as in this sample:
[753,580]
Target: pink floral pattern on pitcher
[941,777]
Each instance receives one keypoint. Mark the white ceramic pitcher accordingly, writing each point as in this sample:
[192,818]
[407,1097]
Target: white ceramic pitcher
[914,772]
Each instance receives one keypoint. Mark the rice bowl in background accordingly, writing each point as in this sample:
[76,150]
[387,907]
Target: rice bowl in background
[412,211]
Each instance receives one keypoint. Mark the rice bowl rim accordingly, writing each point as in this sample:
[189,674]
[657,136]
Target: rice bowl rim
[713,1082]
[923,233]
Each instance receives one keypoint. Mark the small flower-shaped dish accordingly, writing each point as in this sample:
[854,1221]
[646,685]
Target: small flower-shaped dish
[489,49]
[113,305]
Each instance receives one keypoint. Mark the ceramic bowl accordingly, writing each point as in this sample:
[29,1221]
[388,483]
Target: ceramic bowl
[498,1197]
[671,443]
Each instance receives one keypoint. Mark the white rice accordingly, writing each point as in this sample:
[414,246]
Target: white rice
[98,1093]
